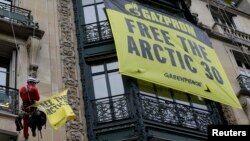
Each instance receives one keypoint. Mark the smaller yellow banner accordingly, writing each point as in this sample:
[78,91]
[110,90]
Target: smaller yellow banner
[57,109]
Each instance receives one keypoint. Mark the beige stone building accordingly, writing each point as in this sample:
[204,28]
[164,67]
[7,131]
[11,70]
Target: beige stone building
[68,44]
[228,29]
[38,39]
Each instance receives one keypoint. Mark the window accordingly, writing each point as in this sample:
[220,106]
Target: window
[171,95]
[4,75]
[223,18]
[109,94]
[242,59]
[106,80]
[96,26]
[8,93]
[243,62]
[4,71]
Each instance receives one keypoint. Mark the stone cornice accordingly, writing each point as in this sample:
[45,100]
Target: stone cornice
[222,37]
[228,9]
[21,31]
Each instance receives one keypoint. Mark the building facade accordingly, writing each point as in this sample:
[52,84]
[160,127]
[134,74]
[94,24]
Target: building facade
[38,39]
[123,108]
[69,44]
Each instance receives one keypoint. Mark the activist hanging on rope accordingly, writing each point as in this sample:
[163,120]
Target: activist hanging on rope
[31,116]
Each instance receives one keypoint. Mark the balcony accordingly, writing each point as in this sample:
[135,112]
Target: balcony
[19,21]
[168,112]
[231,32]
[111,109]
[154,110]
[9,100]
[233,3]
[96,32]
[17,15]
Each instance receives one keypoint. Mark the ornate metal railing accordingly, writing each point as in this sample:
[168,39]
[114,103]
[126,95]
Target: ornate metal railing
[221,3]
[164,111]
[244,82]
[95,32]
[231,32]
[17,15]
[154,109]
[9,100]
[111,108]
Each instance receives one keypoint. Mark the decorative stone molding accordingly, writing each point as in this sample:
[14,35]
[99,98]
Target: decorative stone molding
[195,15]
[33,47]
[229,115]
[188,3]
[74,129]
[245,103]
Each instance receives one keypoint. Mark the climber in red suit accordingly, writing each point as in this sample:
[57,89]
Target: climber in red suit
[29,95]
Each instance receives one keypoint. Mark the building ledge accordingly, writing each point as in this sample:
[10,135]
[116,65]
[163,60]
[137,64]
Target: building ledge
[6,114]
[8,135]
[223,37]
[21,31]
[229,9]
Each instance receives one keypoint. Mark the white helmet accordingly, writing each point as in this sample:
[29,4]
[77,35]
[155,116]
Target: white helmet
[31,79]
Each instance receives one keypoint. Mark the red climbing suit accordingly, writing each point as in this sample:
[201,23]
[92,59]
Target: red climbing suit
[29,94]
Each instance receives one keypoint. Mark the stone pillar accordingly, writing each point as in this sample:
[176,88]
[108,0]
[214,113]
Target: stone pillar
[22,64]
[33,48]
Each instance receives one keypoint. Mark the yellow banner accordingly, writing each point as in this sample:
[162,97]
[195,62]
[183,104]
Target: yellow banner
[170,52]
[56,109]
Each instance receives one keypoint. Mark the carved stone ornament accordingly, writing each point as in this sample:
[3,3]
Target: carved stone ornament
[33,47]
[245,102]
[229,115]
[74,129]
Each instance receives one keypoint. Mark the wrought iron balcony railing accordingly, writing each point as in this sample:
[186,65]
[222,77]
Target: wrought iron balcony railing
[231,32]
[222,3]
[156,110]
[165,111]
[96,32]
[17,15]
[111,108]
[9,100]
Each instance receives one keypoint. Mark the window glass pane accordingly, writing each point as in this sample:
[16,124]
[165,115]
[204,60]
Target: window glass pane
[89,14]
[101,13]
[5,1]
[3,76]
[86,2]
[164,92]
[112,66]
[239,63]
[145,87]
[247,66]
[4,100]
[97,68]
[98,1]
[181,97]
[3,69]
[198,102]
[116,83]
[100,86]
[3,79]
